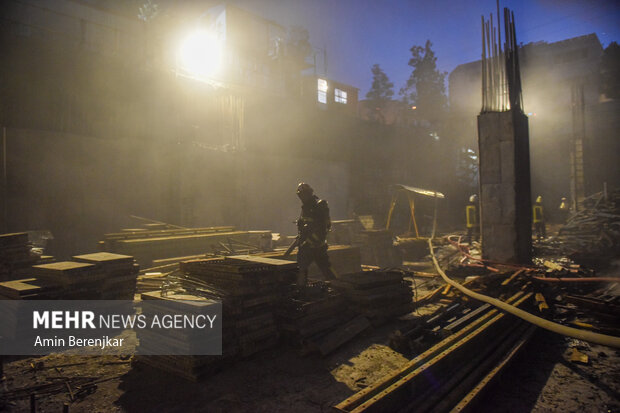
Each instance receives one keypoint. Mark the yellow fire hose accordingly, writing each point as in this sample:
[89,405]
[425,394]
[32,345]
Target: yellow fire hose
[584,335]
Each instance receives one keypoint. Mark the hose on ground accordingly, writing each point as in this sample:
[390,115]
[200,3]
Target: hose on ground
[592,337]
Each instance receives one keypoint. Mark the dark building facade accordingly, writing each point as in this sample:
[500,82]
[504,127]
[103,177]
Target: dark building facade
[562,100]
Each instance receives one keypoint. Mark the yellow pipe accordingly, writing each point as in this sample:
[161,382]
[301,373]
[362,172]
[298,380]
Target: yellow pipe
[589,336]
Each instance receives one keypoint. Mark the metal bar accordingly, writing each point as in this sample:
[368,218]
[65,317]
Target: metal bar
[418,379]
[455,325]
[466,404]
[373,391]
[483,63]
[466,375]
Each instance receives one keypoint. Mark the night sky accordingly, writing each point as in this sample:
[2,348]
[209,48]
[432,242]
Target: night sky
[359,33]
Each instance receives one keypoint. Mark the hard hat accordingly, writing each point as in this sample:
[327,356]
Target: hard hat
[473,198]
[304,189]
[539,199]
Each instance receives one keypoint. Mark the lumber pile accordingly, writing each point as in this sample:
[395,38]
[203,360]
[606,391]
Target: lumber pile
[29,289]
[249,288]
[307,317]
[194,367]
[378,295]
[593,233]
[150,245]
[98,276]
[343,258]
[16,255]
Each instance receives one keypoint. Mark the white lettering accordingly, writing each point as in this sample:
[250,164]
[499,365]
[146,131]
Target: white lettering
[38,319]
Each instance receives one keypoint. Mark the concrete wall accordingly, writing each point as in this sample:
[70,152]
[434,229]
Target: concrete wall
[81,187]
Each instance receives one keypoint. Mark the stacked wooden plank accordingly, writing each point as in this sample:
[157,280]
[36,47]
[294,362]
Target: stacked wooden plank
[119,281]
[97,276]
[195,367]
[29,289]
[316,319]
[16,255]
[344,259]
[150,245]
[249,288]
[378,295]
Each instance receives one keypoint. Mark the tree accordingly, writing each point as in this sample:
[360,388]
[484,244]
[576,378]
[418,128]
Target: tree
[381,92]
[610,71]
[425,88]
[381,89]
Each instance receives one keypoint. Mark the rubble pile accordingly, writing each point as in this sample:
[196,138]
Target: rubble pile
[98,276]
[378,295]
[597,310]
[16,255]
[593,234]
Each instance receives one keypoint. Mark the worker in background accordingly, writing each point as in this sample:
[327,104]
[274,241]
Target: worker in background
[564,211]
[471,216]
[539,218]
[313,225]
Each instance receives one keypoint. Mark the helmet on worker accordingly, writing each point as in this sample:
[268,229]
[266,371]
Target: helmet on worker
[473,198]
[539,199]
[304,192]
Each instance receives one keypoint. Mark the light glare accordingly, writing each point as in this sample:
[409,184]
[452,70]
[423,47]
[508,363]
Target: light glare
[201,54]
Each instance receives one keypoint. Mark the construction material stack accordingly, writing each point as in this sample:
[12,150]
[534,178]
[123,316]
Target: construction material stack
[194,367]
[98,276]
[121,271]
[16,255]
[317,319]
[378,295]
[150,245]
[249,289]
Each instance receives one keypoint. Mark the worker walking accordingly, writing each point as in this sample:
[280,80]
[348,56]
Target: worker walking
[313,225]
[471,216]
[539,218]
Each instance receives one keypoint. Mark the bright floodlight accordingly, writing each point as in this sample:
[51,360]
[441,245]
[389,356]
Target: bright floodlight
[201,54]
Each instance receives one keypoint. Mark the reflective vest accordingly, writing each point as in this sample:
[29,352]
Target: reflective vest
[471,215]
[538,214]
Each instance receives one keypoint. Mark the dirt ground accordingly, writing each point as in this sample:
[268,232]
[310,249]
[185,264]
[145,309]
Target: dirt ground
[541,379]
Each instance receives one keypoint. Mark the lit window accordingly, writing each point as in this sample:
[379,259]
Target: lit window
[340,96]
[322,90]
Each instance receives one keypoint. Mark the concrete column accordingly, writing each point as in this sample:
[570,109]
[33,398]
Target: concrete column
[505,194]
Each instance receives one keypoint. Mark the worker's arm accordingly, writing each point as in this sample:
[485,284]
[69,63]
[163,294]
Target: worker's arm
[323,209]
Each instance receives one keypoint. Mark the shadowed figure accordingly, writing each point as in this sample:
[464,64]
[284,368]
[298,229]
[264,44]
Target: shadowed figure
[312,226]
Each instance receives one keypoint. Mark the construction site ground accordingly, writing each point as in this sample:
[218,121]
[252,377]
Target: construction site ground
[541,378]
